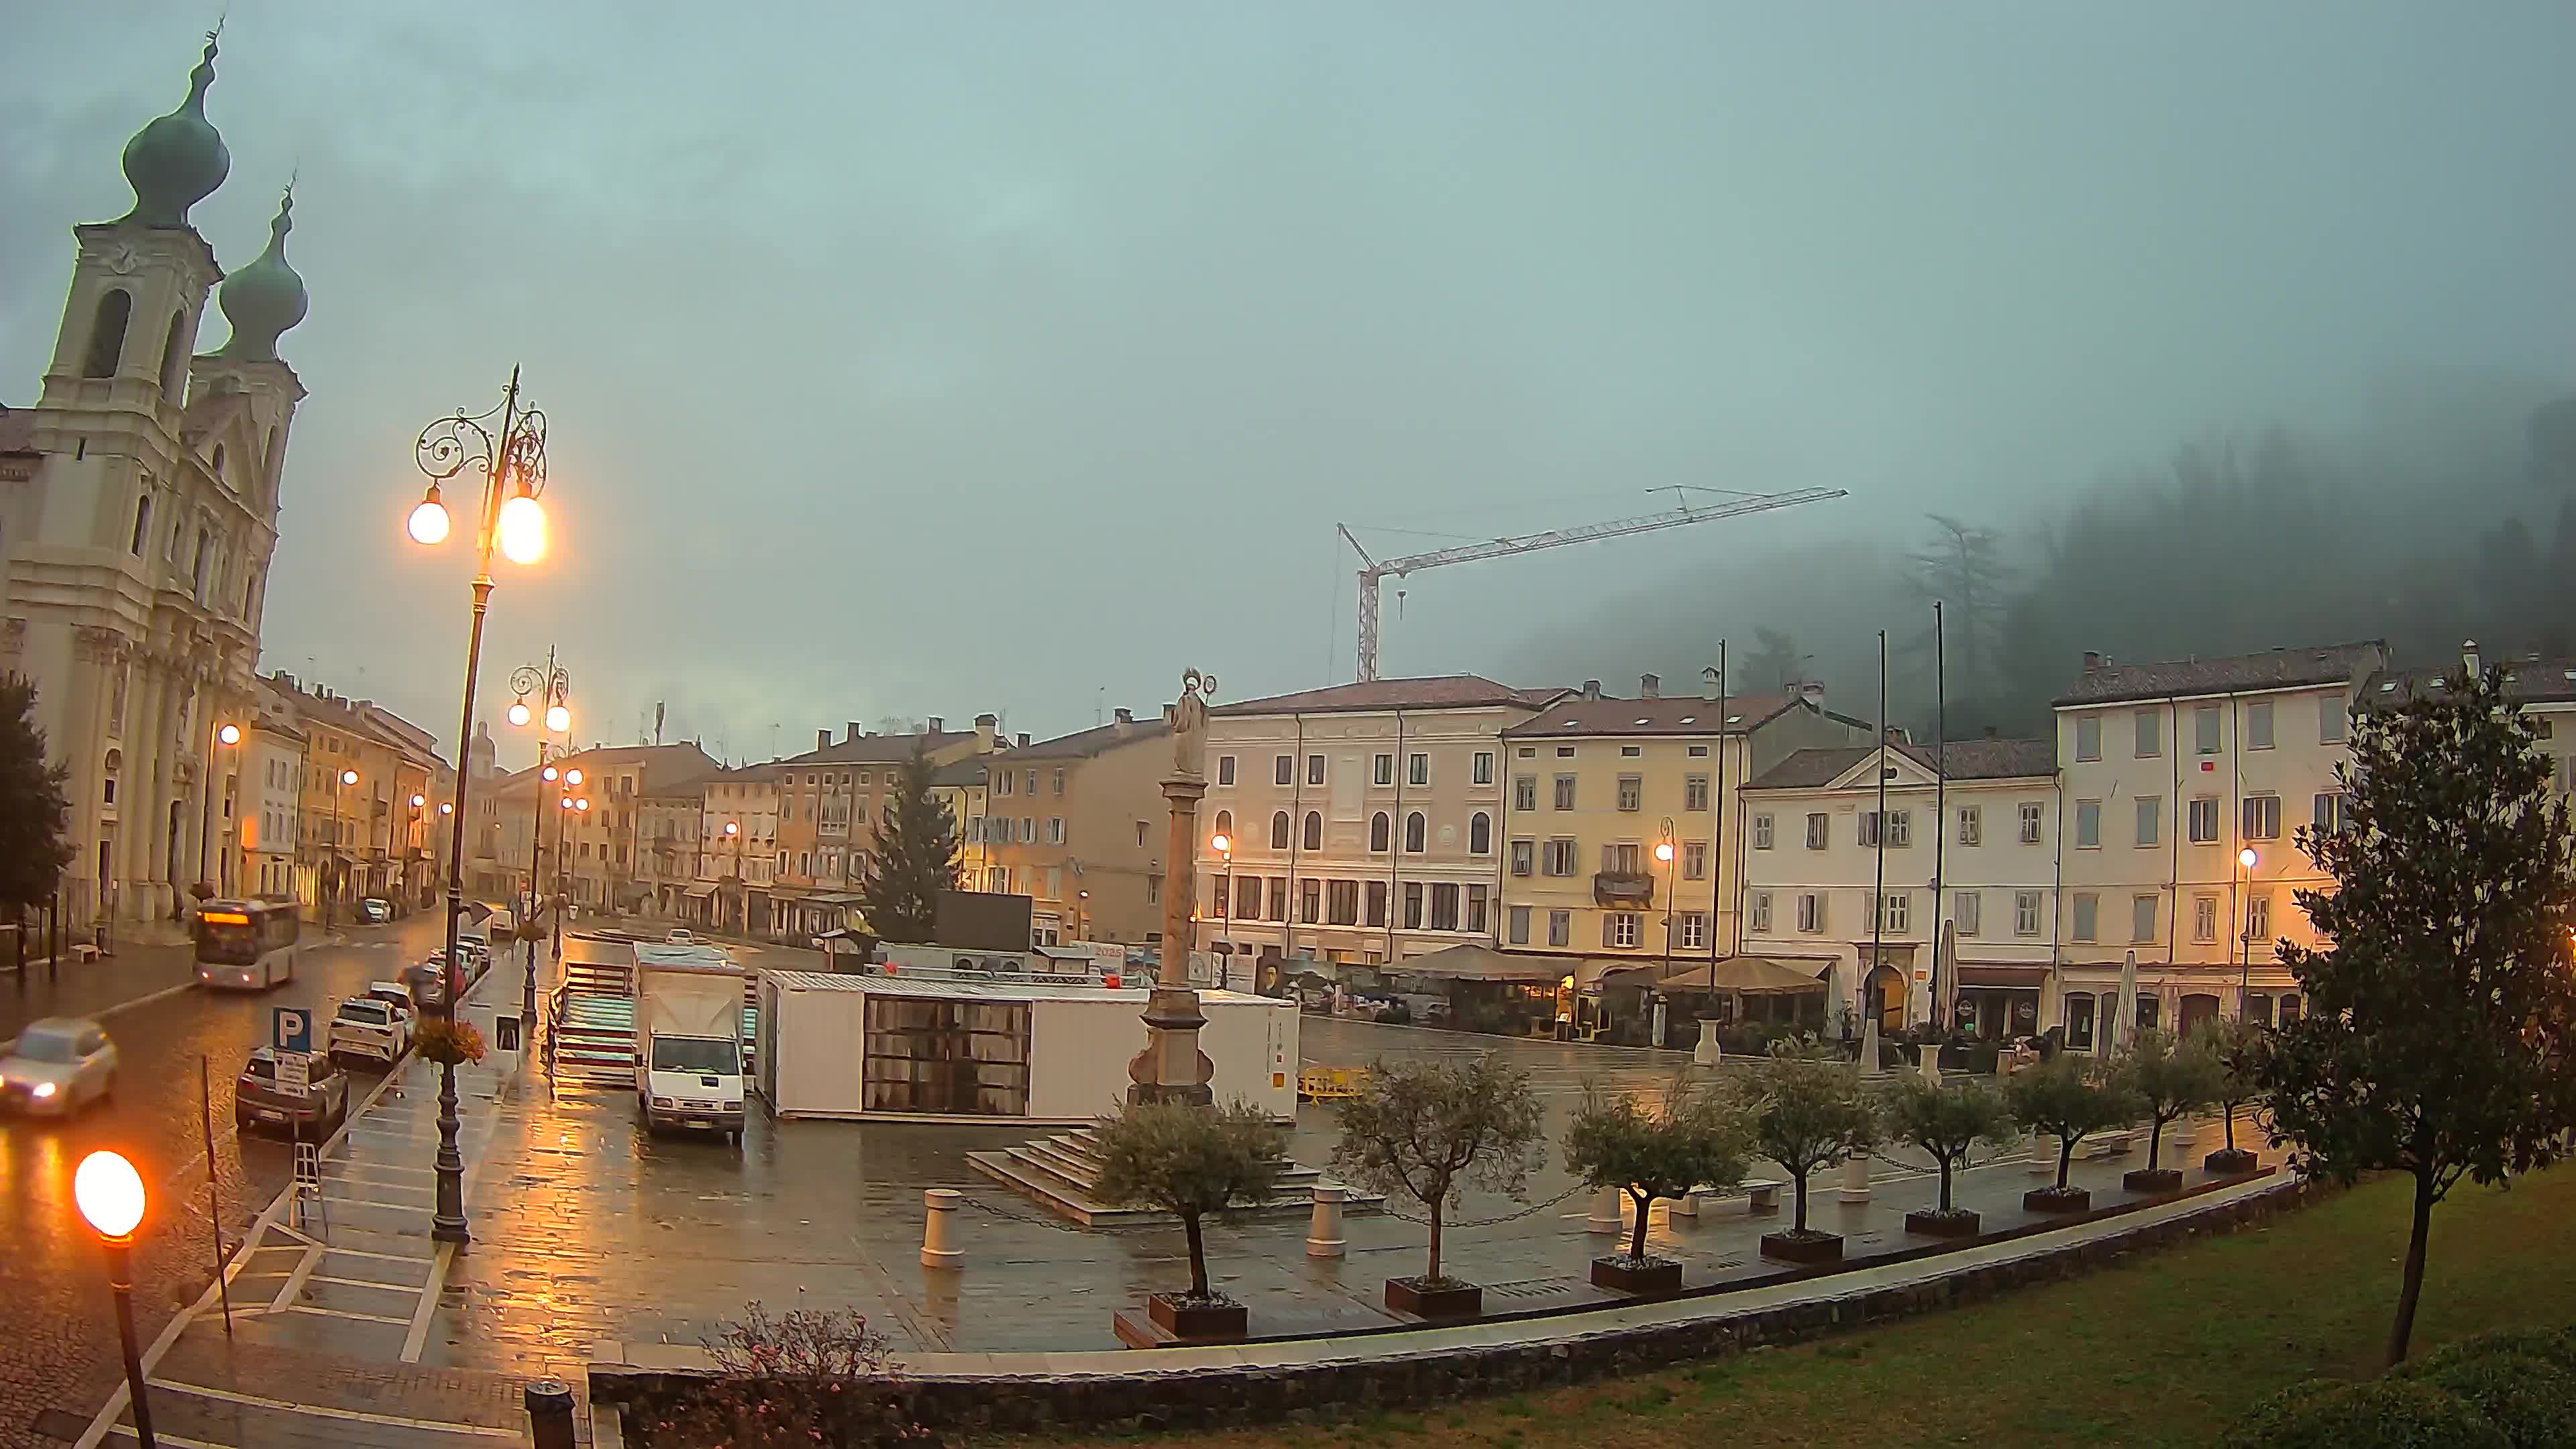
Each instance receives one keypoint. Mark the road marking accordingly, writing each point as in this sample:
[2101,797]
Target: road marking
[366,1202]
[367,1283]
[146,1000]
[340,1313]
[421,1311]
[303,1269]
[325,1411]
[159,1437]
[386,1167]
[388,1257]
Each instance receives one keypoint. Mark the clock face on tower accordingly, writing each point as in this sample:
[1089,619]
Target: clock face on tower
[123,258]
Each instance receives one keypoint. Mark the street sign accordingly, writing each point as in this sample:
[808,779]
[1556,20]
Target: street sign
[294,1074]
[290,1029]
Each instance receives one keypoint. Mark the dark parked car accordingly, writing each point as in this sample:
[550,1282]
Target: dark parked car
[317,1114]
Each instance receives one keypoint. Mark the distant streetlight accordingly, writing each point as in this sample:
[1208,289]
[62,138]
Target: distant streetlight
[1224,846]
[2245,938]
[2246,857]
[518,712]
[109,1193]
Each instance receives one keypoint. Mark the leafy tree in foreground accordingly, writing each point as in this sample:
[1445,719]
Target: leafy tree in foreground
[2069,1099]
[1425,1128]
[1814,1115]
[33,812]
[1190,1161]
[1662,1145]
[916,859]
[1948,1120]
[2171,1077]
[2442,1015]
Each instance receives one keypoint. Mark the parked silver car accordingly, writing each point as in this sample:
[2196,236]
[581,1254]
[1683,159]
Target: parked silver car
[56,1065]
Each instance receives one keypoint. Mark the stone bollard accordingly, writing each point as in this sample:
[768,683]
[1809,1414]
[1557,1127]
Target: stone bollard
[1685,1206]
[1855,1186]
[2043,1155]
[1324,1228]
[939,1227]
[1605,1216]
[1930,1064]
[549,1405]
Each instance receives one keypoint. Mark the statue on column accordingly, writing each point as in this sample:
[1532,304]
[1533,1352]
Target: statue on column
[1171,1068]
[1189,725]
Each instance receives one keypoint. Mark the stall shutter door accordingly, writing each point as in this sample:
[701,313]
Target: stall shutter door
[1605,928]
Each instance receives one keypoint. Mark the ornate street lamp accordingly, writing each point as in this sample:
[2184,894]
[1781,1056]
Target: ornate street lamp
[1223,844]
[226,735]
[550,686]
[513,464]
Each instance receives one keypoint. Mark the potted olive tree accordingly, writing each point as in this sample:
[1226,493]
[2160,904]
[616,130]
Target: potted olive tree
[1427,1128]
[1948,1120]
[1190,1161]
[1661,1145]
[2069,1099]
[2239,1045]
[1811,1114]
[2170,1076]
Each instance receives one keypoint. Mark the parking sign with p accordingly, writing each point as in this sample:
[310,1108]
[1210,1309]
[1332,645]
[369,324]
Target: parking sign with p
[291,1029]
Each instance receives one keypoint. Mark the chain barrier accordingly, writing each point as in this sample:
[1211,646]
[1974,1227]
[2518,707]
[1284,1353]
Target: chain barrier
[1559,1200]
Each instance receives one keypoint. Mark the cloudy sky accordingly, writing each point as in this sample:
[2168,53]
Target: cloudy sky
[930,359]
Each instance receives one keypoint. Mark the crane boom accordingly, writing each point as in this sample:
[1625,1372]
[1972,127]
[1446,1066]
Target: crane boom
[1374,571]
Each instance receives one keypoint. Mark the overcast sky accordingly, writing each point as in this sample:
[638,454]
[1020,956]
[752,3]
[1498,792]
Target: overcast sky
[944,358]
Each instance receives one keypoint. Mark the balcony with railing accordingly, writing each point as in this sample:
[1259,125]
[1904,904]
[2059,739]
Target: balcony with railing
[1623,888]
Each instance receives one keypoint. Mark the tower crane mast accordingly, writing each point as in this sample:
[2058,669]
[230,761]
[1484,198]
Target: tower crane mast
[1373,571]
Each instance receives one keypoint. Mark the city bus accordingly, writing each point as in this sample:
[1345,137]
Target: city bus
[246,944]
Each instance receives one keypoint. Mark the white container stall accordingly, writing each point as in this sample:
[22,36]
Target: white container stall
[912,1048]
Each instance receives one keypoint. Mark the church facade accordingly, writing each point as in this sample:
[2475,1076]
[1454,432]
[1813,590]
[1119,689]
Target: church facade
[138,518]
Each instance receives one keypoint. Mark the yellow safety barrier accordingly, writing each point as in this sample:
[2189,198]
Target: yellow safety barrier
[1330,1084]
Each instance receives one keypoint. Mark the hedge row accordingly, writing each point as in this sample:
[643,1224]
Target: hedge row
[2514,1388]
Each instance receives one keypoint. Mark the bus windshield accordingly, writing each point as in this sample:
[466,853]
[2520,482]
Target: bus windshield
[223,943]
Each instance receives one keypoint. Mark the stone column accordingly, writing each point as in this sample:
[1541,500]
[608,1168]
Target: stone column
[1171,1068]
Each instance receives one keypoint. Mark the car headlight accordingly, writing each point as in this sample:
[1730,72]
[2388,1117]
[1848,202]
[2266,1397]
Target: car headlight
[44,1089]
[664,1102]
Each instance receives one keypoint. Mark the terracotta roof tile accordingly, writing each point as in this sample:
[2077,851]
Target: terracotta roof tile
[1960,760]
[2273,669]
[1438,691]
[1685,715]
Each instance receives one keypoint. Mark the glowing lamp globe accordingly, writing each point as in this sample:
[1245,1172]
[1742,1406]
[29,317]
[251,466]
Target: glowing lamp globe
[348,777]
[523,530]
[2245,857]
[110,1194]
[1664,851]
[417,802]
[519,712]
[549,772]
[446,807]
[1222,844]
[428,522]
[229,734]
[582,804]
[558,718]
[565,802]
[573,776]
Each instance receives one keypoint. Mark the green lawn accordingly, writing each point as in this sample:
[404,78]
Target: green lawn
[2165,1350]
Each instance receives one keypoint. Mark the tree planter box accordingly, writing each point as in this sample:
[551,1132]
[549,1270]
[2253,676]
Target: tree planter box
[2228,1162]
[1450,1299]
[2057,1200]
[1813,1247]
[1935,1224]
[1653,1278]
[1194,1322]
[2152,1179]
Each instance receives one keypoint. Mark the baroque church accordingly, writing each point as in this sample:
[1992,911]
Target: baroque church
[138,515]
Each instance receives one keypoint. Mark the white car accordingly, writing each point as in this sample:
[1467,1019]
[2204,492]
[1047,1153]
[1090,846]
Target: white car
[368,1028]
[57,1064]
[680,936]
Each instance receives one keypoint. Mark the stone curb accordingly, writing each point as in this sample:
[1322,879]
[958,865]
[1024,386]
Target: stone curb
[1153,1398]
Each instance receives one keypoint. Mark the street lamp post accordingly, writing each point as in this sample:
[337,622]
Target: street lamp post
[576,808]
[340,881]
[109,1193]
[513,465]
[1224,845]
[733,832]
[2245,933]
[1664,858]
[226,735]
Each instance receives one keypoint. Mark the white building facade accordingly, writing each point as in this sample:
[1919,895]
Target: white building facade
[2176,775]
[138,509]
[1366,818]
[1968,842]
[272,757]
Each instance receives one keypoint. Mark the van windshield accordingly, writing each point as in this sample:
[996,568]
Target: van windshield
[696,1054]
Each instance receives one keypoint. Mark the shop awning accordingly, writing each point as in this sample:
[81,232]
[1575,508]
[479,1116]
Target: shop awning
[1746,975]
[2020,978]
[1483,963]
[699,893]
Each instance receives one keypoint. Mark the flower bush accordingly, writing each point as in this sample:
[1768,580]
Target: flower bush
[448,1043]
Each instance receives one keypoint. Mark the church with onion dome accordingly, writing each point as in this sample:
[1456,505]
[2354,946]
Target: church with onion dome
[138,517]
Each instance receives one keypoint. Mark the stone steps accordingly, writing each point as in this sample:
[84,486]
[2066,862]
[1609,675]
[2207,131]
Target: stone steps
[1062,1174]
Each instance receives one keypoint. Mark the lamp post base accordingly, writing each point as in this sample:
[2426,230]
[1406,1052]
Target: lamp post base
[447,1221]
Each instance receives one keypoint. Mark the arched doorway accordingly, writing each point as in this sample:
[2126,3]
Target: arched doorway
[1884,991]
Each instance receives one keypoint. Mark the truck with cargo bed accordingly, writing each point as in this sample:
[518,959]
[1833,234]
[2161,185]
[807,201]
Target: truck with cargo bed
[688,1038]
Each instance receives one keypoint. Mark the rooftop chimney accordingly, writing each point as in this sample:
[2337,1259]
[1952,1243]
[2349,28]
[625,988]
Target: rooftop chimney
[985,725]
[822,739]
[1992,732]
[1709,686]
[2092,660]
[1021,739]
[849,731]
[1592,689]
[1650,686]
[938,725]
[2469,656]
[1126,723]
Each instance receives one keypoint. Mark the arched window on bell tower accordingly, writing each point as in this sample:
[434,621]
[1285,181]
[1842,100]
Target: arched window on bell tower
[107,332]
[174,356]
